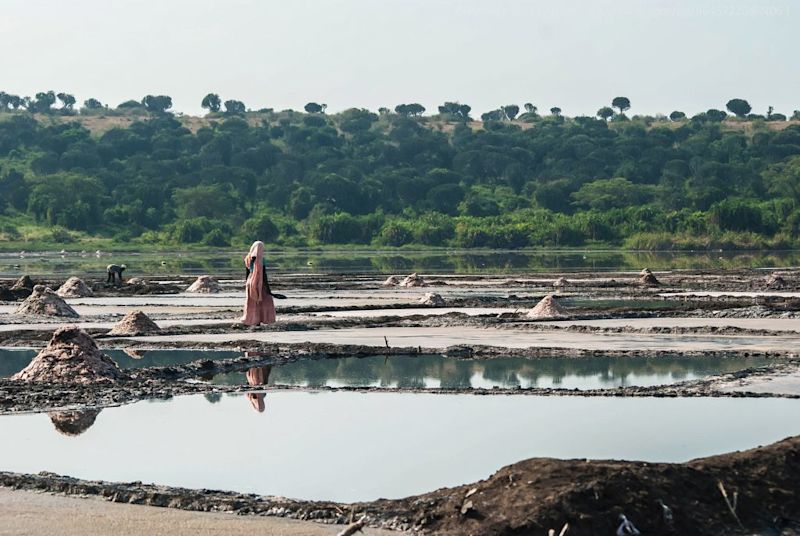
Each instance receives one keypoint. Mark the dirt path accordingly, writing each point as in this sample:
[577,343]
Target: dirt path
[28,513]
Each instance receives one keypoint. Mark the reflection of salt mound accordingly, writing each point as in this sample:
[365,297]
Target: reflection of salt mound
[391,281]
[205,284]
[775,281]
[648,279]
[548,307]
[560,283]
[433,299]
[44,301]
[23,282]
[71,356]
[135,323]
[413,280]
[73,423]
[74,288]
[134,354]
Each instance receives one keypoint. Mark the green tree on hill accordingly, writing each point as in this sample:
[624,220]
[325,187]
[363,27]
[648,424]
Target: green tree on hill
[455,111]
[67,100]
[510,111]
[621,103]
[92,104]
[605,113]
[157,103]
[739,107]
[315,108]
[234,107]
[211,102]
[44,101]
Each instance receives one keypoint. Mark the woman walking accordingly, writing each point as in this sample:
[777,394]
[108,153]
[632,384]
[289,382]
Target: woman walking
[259,307]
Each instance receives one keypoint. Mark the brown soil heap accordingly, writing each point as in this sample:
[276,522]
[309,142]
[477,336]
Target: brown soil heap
[71,356]
[205,284]
[73,423]
[391,281]
[135,323]
[44,301]
[548,307]
[433,299]
[74,288]
[413,280]
[23,282]
[775,281]
[647,278]
[536,495]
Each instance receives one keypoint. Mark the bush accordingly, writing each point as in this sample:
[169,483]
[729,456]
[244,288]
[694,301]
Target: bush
[61,236]
[260,228]
[216,238]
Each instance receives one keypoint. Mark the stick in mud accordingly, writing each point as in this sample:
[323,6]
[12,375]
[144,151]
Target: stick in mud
[731,507]
[355,527]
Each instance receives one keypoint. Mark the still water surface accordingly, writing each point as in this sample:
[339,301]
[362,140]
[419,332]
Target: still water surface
[437,371]
[352,447]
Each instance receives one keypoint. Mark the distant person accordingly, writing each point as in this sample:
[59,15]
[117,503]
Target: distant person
[114,272]
[259,308]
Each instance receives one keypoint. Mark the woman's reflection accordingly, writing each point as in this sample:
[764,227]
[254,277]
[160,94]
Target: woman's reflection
[258,376]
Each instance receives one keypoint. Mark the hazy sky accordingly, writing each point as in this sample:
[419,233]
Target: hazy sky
[689,55]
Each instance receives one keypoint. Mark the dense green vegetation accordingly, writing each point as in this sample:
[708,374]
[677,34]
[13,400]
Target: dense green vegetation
[396,177]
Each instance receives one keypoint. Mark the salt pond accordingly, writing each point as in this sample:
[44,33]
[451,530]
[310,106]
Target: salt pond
[437,371]
[350,446]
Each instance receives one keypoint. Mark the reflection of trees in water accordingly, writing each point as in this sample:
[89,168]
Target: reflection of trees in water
[165,358]
[213,398]
[73,423]
[412,371]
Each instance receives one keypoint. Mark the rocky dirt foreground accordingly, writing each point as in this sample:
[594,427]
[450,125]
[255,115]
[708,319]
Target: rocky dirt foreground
[751,492]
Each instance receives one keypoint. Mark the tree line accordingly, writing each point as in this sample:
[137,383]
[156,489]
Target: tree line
[398,177]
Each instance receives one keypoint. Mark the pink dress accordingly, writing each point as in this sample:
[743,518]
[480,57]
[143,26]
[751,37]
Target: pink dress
[259,308]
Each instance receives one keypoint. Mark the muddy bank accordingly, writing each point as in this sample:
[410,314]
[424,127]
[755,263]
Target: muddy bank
[530,497]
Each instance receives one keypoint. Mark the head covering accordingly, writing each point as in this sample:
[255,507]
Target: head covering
[255,283]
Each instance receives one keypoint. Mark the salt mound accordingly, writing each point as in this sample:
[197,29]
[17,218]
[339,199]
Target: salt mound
[648,279]
[548,307]
[560,283]
[23,282]
[205,284]
[137,282]
[73,423]
[134,323]
[413,280]
[391,281]
[44,301]
[71,356]
[433,299]
[775,281]
[74,288]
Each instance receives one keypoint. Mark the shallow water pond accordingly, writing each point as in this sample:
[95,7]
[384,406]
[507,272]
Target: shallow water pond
[421,372]
[14,360]
[440,372]
[351,447]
